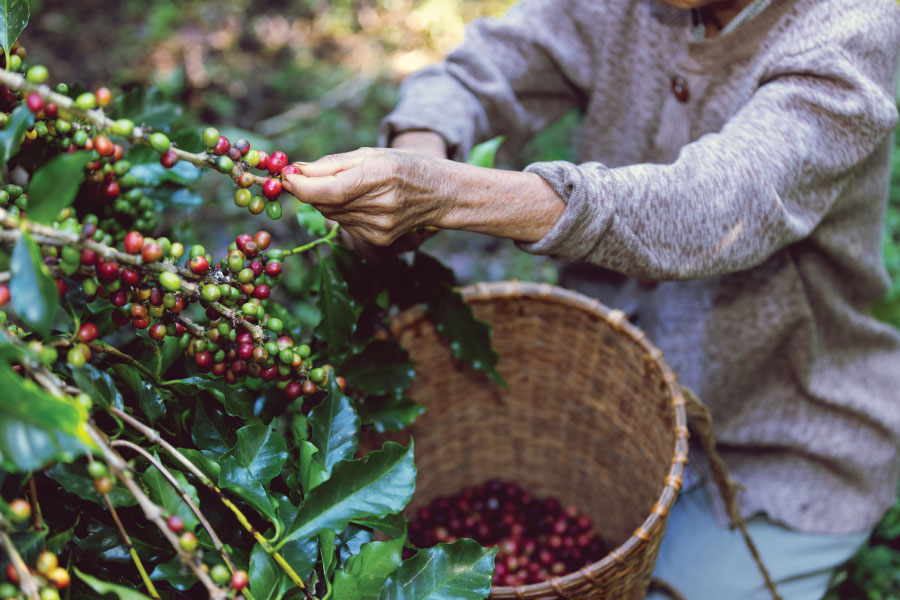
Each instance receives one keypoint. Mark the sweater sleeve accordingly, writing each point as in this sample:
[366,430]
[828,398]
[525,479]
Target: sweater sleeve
[733,198]
[512,76]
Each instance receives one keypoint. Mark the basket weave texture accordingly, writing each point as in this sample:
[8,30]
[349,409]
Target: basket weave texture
[592,416]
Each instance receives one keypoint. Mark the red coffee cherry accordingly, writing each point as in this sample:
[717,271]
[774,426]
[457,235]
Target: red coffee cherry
[4,294]
[272,188]
[108,272]
[277,161]
[88,332]
[111,189]
[104,96]
[103,146]
[34,102]
[175,524]
[89,257]
[134,241]
[222,146]
[157,331]
[151,252]
[168,159]
[130,277]
[239,580]
[199,265]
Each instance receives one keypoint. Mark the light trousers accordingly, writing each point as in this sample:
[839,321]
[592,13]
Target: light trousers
[704,560]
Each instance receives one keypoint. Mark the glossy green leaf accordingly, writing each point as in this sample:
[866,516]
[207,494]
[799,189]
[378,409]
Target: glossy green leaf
[36,427]
[175,574]
[211,431]
[152,402]
[236,400]
[54,186]
[458,571]
[326,549]
[98,384]
[312,473]
[31,287]
[265,575]
[146,107]
[103,542]
[74,479]
[259,449]
[206,461]
[301,555]
[390,525]
[339,309]
[311,220]
[469,338]
[485,153]
[248,467]
[351,540]
[104,587]
[14,15]
[335,428]
[379,484]
[20,120]
[389,413]
[163,494]
[363,575]
[383,367]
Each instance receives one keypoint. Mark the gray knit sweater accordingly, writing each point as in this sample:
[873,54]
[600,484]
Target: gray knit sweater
[754,190]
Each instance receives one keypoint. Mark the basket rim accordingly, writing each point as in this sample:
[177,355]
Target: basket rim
[653,525]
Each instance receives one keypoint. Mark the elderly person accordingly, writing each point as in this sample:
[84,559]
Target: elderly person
[737,153]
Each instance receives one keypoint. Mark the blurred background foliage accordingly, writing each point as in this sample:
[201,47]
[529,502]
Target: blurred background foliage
[313,78]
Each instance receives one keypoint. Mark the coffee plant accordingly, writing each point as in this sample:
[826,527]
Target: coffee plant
[171,424]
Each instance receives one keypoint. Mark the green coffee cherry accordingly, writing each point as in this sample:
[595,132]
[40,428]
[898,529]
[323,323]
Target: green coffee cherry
[170,281]
[86,101]
[224,164]
[242,197]
[160,142]
[210,292]
[211,137]
[37,74]
[273,209]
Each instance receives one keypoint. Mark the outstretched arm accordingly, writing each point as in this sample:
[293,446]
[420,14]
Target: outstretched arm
[377,195]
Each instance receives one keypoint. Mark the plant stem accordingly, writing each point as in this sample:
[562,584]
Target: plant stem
[327,239]
[28,583]
[220,547]
[151,589]
[32,490]
[139,135]
[154,437]
[154,513]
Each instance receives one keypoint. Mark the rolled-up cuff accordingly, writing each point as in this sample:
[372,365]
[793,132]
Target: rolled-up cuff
[588,191]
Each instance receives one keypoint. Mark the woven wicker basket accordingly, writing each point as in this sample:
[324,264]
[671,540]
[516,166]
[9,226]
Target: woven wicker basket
[593,417]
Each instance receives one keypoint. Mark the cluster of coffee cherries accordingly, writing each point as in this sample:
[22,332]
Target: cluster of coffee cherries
[219,573]
[234,293]
[51,576]
[536,538]
[110,189]
[239,153]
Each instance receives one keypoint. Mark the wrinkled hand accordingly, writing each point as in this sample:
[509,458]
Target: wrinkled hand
[376,194]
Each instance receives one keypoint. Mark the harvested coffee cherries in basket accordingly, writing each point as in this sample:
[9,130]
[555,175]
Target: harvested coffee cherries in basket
[537,538]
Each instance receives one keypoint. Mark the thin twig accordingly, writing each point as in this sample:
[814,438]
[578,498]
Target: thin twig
[155,437]
[220,547]
[154,514]
[322,240]
[32,489]
[28,583]
[136,559]
[139,135]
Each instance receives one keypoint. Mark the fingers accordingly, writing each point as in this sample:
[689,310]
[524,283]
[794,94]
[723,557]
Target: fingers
[334,164]
[326,189]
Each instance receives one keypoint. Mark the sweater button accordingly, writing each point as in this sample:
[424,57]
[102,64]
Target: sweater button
[679,88]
